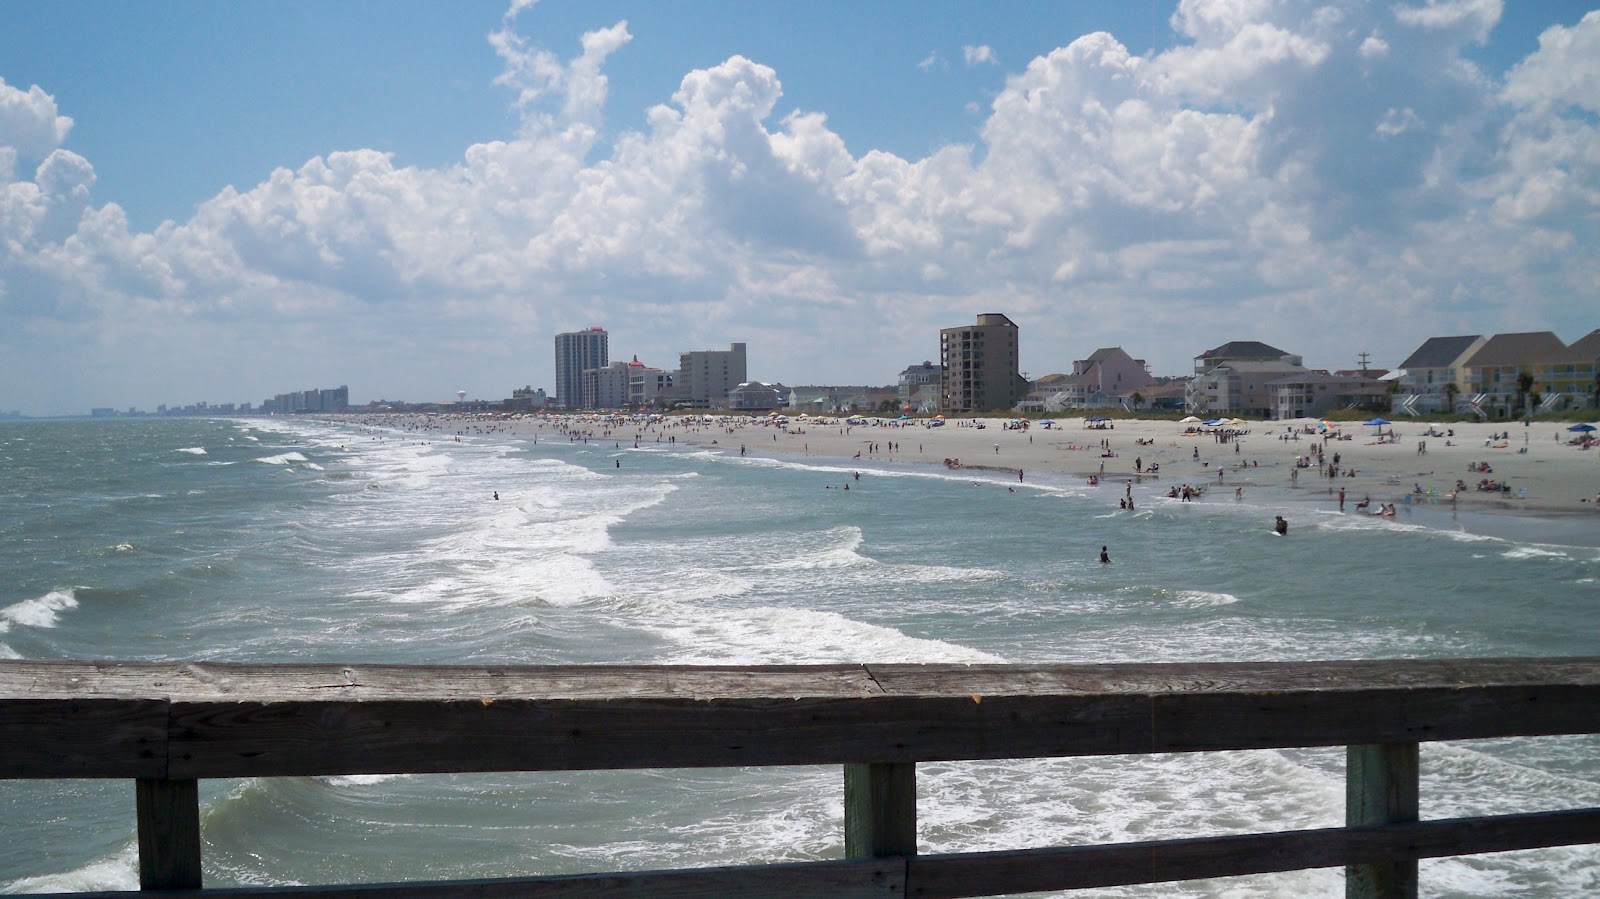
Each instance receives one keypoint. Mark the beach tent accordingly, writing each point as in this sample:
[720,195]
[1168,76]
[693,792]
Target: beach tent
[1100,418]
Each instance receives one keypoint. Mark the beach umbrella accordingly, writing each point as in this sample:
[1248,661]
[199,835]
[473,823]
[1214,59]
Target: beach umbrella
[1581,429]
[1377,422]
[1192,419]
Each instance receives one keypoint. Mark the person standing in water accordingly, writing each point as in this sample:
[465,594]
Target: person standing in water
[1105,556]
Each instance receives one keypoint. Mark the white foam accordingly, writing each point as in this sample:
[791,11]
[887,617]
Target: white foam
[282,458]
[119,872]
[1532,552]
[1195,599]
[41,611]
[193,450]
[789,636]
[843,553]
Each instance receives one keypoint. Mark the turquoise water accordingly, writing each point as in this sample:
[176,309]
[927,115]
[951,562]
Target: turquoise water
[278,541]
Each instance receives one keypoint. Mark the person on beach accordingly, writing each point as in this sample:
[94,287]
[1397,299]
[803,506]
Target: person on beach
[1341,499]
[1105,556]
[1280,526]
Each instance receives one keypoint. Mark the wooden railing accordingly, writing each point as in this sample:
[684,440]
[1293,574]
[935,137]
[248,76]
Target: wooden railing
[167,726]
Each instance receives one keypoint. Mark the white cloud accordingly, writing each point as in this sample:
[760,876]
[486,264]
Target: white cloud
[931,61]
[1475,18]
[29,122]
[979,55]
[1274,176]
[1564,71]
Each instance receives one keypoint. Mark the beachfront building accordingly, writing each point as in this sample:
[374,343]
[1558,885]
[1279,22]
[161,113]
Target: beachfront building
[577,352]
[980,365]
[1240,388]
[1108,378]
[1433,377]
[1313,394]
[706,376]
[754,396]
[833,400]
[526,399]
[648,386]
[919,386]
[1504,373]
[1572,379]
[606,388]
[1250,365]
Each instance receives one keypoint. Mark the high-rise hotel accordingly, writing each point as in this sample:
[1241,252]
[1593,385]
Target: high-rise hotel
[577,351]
[980,371]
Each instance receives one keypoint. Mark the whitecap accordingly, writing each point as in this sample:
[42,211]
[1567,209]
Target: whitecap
[119,872]
[193,450]
[282,458]
[40,611]
[1202,598]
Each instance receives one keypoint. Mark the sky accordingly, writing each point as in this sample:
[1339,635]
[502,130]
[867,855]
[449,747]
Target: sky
[218,202]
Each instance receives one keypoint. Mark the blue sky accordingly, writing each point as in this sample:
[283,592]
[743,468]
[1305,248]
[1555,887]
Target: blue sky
[223,201]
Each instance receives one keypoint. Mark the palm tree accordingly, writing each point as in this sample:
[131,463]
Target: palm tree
[1524,387]
[1138,398]
[1450,391]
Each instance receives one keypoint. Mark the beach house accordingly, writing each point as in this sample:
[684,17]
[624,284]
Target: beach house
[1108,378]
[1433,377]
[1234,378]
[1572,379]
[1502,376]
[1312,394]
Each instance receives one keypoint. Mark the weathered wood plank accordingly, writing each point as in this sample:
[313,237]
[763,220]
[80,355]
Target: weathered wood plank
[951,876]
[169,834]
[1248,718]
[209,680]
[1382,787]
[243,720]
[880,810]
[990,873]
[862,879]
[83,737]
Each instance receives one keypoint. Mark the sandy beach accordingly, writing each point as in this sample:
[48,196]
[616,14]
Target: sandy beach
[1420,464]
[1546,476]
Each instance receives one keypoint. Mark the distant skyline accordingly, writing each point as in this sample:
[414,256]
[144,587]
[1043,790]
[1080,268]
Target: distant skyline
[204,201]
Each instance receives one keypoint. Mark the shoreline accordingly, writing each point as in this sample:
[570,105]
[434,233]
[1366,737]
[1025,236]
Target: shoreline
[1552,484]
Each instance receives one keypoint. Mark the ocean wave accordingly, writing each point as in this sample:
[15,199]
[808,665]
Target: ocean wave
[42,611]
[1195,599]
[282,458]
[844,553]
[193,450]
[119,873]
[768,635]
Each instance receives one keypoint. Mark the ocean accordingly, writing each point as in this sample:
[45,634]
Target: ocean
[273,540]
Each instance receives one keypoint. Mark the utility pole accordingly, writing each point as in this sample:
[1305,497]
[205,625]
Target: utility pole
[1364,358]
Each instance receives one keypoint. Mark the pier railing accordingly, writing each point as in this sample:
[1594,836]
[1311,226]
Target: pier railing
[168,725]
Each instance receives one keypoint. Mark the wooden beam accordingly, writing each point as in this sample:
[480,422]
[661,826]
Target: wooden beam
[1010,871]
[1381,787]
[169,834]
[203,720]
[880,810]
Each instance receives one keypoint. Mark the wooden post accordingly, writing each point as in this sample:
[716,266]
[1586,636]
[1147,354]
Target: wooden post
[169,834]
[880,810]
[1381,788]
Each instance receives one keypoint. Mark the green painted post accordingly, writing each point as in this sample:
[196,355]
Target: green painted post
[1381,787]
[880,809]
